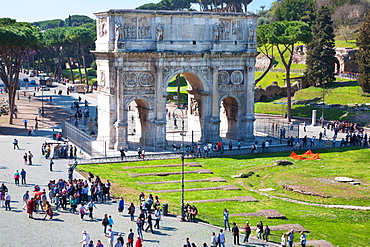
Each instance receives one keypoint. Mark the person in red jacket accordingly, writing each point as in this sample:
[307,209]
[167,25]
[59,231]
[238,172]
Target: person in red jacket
[138,242]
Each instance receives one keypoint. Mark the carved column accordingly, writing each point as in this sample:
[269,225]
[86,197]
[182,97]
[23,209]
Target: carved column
[214,131]
[160,106]
[248,118]
[121,123]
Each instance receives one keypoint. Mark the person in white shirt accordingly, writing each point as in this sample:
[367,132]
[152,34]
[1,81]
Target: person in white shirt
[214,240]
[7,201]
[283,240]
[85,239]
[110,237]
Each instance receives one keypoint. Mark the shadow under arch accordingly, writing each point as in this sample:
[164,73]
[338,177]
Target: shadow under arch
[139,108]
[229,115]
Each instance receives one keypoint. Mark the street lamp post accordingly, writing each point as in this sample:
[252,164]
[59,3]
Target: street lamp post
[42,101]
[182,165]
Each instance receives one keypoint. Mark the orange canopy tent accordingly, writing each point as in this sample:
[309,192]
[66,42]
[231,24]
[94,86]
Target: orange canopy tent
[306,156]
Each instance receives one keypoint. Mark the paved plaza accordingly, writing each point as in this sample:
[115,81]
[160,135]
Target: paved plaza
[66,228]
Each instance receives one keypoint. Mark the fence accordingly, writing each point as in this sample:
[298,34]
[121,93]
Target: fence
[277,128]
[78,136]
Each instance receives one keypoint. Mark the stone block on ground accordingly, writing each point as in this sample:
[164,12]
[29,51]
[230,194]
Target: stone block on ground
[269,214]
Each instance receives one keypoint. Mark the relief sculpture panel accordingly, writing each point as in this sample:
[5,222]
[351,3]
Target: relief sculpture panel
[130,79]
[130,28]
[103,29]
[224,29]
[144,29]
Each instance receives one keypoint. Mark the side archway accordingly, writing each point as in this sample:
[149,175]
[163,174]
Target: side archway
[229,115]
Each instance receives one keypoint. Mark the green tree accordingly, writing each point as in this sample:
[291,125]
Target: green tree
[320,51]
[44,25]
[293,10]
[78,20]
[283,35]
[15,39]
[81,38]
[265,47]
[363,55]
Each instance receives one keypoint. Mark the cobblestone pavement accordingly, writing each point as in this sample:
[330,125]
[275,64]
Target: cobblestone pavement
[65,229]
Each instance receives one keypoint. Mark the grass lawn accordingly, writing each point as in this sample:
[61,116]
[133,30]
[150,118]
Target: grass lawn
[273,76]
[343,43]
[67,74]
[342,92]
[313,176]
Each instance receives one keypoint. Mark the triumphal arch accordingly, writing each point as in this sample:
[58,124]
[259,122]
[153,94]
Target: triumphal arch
[138,52]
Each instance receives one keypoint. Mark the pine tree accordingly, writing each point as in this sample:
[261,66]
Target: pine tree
[320,59]
[363,55]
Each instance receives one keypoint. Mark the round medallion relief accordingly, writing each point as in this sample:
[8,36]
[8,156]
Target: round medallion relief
[237,77]
[223,77]
[130,79]
[146,79]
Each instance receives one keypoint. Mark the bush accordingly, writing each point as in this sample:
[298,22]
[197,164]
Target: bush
[247,175]
[91,72]
[93,65]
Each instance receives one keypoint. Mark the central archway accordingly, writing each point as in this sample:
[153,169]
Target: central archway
[189,113]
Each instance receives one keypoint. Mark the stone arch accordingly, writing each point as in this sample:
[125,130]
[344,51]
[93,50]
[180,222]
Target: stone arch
[140,119]
[229,115]
[196,80]
[336,66]
[197,97]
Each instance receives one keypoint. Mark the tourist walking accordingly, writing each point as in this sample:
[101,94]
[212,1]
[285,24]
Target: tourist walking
[131,211]
[91,205]
[23,176]
[221,238]
[30,156]
[121,205]
[25,199]
[247,229]
[214,240]
[122,152]
[303,239]
[139,242]
[82,211]
[105,223]
[7,199]
[25,158]
[290,236]
[110,237]
[85,239]
[139,226]
[51,163]
[226,219]
[283,240]
[15,144]
[266,233]
[110,222]
[16,177]
[150,223]
[31,207]
[259,230]
[130,239]
[157,215]
[48,211]
[235,231]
